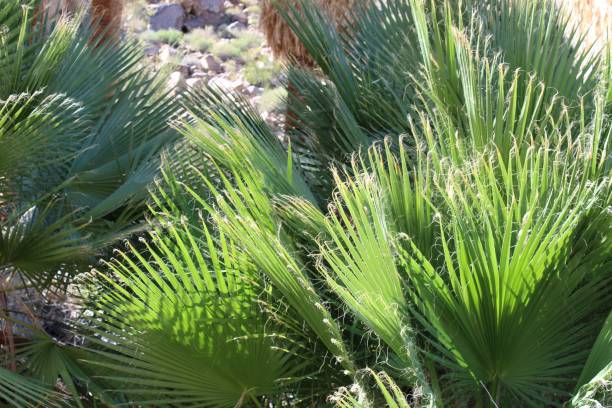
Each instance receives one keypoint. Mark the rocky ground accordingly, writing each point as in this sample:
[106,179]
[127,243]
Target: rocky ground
[212,41]
[218,41]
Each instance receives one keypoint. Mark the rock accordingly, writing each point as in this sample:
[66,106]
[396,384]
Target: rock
[194,22]
[210,63]
[241,18]
[193,82]
[201,75]
[236,26]
[166,54]
[253,90]
[176,80]
[151,50]
[192,61]
[184,70]
[211,6]
[209,11]
[223,32]
[226,84]
[167,16]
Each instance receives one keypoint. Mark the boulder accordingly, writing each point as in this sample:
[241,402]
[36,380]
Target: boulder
[241,18]
[192,60]
[167,54]
[211,63]
[211,12]
[193,82]
[226,84]
[201,75]
[236,26]
[176,80]
[167,16]
[211,6]
[194,22]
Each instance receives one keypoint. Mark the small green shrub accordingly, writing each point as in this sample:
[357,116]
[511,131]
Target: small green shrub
[230,66]
[226,50]
[201,39]
[261,71]
[272,100]
[248,39]
[170,37]
[238,47]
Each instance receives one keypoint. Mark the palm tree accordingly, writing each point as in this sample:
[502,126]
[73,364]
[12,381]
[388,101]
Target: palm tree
[82,131]
[105,14]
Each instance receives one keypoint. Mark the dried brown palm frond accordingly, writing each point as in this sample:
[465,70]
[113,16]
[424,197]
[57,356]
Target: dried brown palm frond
[108,14]
[595,15]
[280,38]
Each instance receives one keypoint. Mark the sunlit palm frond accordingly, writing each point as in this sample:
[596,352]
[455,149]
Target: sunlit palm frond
[182,324]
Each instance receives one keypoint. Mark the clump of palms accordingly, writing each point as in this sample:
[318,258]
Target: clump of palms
[82,129]
[434,232]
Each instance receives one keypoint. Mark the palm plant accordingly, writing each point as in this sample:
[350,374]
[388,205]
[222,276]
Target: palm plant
[436,231]
[82,129]
[81,133]
[473,245]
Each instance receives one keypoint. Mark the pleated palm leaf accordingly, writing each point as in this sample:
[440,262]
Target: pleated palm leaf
[81,131]
[24,392]
[189,331]
[374,77]
[478,256]
[190,322]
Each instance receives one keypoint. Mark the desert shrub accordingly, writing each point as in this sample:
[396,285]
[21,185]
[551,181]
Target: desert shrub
[171,37]
[261,71]
[201,39]
[272,100]
[238,47]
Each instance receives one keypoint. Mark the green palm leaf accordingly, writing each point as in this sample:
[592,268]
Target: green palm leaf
[22,392]
[183,326]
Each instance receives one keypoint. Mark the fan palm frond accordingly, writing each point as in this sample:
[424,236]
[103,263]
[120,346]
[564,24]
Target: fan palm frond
[20,392]
[81,134]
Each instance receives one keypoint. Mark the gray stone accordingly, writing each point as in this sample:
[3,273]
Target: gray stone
[241,18]
[167,16]
[236,26]
[211,6]
[176,80]
[201,75]
[192,61]
[226,84]
[167,53]
[209,12]
[184,70]
[151,50]
[194,22]
[193,82]
[210,63]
